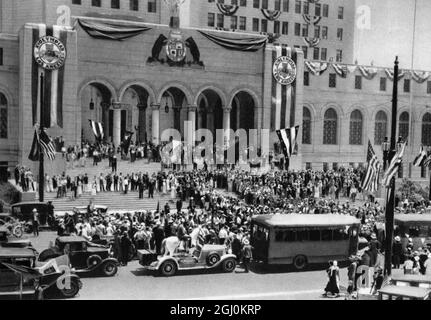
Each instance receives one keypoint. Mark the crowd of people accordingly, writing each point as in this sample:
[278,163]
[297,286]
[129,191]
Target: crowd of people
[24,178]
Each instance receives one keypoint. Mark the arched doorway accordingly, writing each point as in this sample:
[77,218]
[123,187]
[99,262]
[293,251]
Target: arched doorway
[243,110]
[173,110]
[210,115]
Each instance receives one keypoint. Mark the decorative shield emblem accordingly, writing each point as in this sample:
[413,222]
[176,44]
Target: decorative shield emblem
[284,70]
[176,49]
[50,53]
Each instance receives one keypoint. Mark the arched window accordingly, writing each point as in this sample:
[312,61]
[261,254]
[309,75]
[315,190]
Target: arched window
[404,126]
[426,129]
[381,127]
[330,123]
[306,126]
[355,134]
[3,116]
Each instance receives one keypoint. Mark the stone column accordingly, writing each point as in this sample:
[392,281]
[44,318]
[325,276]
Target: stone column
[117,128]
[142,121]
[226,123]
[156,123]
[200,123]
[191,137]
[105,108]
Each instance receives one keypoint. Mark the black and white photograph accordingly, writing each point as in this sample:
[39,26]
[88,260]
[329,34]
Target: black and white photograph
[215,155]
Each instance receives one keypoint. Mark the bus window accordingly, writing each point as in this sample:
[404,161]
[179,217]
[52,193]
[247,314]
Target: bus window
[290,236]
[414,232]
[326,235]
[302,235]
[279,235]
[314,235]
[340,234]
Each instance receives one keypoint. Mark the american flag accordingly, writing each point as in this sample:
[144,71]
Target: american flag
[394,165]
[419,160]
[47,145]
[288,139]
[371,179]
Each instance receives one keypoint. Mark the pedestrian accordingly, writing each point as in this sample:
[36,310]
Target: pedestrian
[397,252]
[247,255]
[35,220]
[333,286]
[427,265]
[126,246]
[351,275]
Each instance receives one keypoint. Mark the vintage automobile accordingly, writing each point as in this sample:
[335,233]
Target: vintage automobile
[209,257]
[86,258]
[19,276]
[12,225]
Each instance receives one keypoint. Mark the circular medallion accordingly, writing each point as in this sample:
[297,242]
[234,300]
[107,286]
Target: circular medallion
[284,70]
[50,53]
[176,50]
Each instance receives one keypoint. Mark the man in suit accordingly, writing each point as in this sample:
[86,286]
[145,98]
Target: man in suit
[116,182]
[141,187]
[114,163]
[151,186]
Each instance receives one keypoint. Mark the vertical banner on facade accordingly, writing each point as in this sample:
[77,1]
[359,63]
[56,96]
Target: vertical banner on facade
[49,46]
[283,91]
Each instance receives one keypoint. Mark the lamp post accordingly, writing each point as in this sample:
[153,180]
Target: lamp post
[390,198]
[385,147]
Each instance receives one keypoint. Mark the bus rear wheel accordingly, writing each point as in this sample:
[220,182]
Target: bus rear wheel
[300,262]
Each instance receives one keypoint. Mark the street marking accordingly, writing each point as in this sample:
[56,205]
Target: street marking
[258,295]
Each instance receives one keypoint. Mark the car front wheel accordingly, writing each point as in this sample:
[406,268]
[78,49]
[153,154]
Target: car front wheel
[168,268]
[229,265]
[70,291]
[109,269]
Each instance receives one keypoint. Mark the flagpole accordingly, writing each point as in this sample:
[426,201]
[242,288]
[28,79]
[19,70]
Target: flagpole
[42,129]
[390,199]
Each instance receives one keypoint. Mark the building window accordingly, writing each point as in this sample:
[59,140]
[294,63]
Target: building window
[1,57]
[324,32]
[332,80]
[380,128]
[325,10]
[152,6]
[234,2]
[306,78]
[305,30]
[429,87]
[317,31]
[306,7]
[264,4]
[78,2]
[243,3]
[234,22]
[277,5]
[220,20]
[355,134]
[339,57]
[423,172]
[406,85]
[382,84]
[340,12]
[115,4]
[426,129]
[297,29]
[286,5]
[242,23]
[297,6]
[404,126]
[306,126]
[264,23]
[3,117]
[340,34]
[285,28]
[316,53]
[330,127]
[318,10]
[358,82]
[305,50]
[308,166]
[256,4]
[256,24]
[276,26]
[134,5]
[96,3]
[325,166]
[324,54]
[211,19]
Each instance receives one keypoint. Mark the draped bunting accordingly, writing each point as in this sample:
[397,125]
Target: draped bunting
[420,76]
[227,9]
[237,43]
[351,69]
[341,70]
[312,42]
[311,19]
[390,74]
[313,1]
[111,30]
[271,14]
[368,73]
[316,68]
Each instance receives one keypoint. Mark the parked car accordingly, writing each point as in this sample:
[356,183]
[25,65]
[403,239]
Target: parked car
[13,225]
[19,276]
[209,257]
[86,258]
[23,212]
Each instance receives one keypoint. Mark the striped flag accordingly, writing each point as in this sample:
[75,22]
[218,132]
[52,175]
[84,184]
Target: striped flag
[47,146]
[97,128]
[394,165]
[283,97]
[53,87]
[288,140]
[371,179]
[420,159]
[341,70]
[427,161]
[35,149]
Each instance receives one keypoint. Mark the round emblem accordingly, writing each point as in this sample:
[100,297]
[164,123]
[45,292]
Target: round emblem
[284,70]
[50,53]
[176,50]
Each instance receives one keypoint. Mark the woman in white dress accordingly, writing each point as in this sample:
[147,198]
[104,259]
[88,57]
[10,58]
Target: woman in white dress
[94,188]
[173,189]
[165,186]
[79,190]
[97,182]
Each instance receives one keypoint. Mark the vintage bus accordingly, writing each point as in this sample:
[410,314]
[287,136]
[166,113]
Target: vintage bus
[416,226]
[303,239]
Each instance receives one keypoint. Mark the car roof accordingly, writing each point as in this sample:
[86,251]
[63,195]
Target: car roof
[214,247]
[410,292]
[70,239]
[29,203]
[412,218]
[306,220]
[16,253]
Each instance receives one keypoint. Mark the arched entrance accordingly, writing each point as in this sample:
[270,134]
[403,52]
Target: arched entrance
[173,110]
[243,111]
[210,111]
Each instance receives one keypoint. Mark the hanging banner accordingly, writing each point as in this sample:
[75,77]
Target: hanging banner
[49,47]
[340,69]
[420,76]
[312,42]
[311,19]
[227,9]
[316,68]
[352,69]
[390,74]
[283,92]
[111,30]
[271,14]
[237,43]
[367,72]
